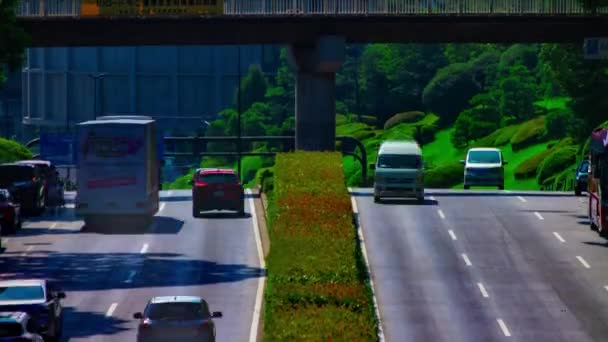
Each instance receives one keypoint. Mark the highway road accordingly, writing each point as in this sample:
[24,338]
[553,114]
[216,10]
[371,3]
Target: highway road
[486,266]
[108,277]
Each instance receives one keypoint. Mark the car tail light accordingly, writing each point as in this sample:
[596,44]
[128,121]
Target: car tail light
[34,179]
[199,183]
[145,324]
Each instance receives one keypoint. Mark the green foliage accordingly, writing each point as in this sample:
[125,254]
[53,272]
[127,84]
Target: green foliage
[13,38]
[528,168]
[555,161]
[528,133]
[253,87]
[462,53]
[407,117]
[479,120]
[499,137]
[517,94]
[559,122]
[317,285]
[444,175]
[11,151]
[518,54]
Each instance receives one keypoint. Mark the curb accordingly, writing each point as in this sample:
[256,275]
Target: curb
[381,337]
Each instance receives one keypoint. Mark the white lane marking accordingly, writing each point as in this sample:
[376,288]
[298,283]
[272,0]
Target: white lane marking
[508,191]
[170,193]
[381,337]
[582,261]
[452,235]
[130,278]
[522,199]
[162,206]
[257,308]
[111,309]
[559,237]
[440,212]
[504,328]
[606,287]
[353,202]
[27,250]
[144,248]
[540,217]
[70,205]
[466,260]
[483,291]
[432,198]
[54,225]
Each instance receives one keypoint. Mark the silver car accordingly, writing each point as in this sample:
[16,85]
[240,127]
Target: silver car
[176,319]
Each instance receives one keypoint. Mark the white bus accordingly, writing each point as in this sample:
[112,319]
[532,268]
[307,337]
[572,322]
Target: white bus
[118,169]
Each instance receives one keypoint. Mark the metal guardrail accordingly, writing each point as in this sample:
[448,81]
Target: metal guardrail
[72,8]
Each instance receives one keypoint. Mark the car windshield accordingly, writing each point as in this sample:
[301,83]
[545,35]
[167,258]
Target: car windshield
[15,173]
[584,168]
[399,161]
[175,311]
[3,195]
[483,157]
[21,293]
[215,178]
[10,329]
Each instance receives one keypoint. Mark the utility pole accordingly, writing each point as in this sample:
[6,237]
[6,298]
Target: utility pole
[238,111]
[96,77]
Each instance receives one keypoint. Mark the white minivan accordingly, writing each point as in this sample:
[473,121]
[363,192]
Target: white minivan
[399,171]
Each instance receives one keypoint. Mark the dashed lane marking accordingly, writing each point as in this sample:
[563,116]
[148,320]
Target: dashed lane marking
[111,309]
[559,237]
[582,261]
[522,199]
[483,291]
[504,328]
[144,248]
[466,260]
[452,235]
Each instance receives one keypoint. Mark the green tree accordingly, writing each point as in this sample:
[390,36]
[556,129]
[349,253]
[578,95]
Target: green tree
[13,39]
[462,53]
[280,96]
[479,120]
[585,81]
[517,93]
[253,87]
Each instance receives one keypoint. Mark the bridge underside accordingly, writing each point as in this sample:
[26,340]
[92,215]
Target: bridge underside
[127,31]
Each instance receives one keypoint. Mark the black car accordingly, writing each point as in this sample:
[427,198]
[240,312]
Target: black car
[39,300]
[18,327]
[27,185]
[581,176]
[53,190]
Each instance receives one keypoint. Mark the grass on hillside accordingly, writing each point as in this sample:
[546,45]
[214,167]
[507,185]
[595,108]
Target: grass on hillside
[554,103]
[317,285]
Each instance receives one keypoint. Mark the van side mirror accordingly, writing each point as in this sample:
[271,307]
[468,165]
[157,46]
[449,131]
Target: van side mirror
[217,314]
[372,166]
[505,162]
[138,315]
[462,161]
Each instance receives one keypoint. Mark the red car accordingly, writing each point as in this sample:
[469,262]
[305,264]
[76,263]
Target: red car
[10,213]
[217,189]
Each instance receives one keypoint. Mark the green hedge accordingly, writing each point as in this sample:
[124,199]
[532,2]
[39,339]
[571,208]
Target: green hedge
[317,286]
[528,133]
[444,175]
[499,137]
[527,169]
[555,161]
[407,117]
[11,151]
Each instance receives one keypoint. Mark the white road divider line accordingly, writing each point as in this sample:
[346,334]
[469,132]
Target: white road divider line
[503,327]
[582,261]
[606,287]
[54,225]
[440,212]
[432,198]
[540,217]
[559,237]
[483,291]
[522,199]
[111,309]
[466,260]
[452,235]
[259,296]
[144,248]
[27,250]
[130,278]
[161,207]
[169,193]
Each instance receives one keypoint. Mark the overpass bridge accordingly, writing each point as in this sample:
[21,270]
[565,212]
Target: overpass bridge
[315,30]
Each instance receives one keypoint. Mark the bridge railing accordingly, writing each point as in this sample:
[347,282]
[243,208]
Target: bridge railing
[51,8]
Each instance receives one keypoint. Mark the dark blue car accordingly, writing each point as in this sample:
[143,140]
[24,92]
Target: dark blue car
[581,176]
[36,298]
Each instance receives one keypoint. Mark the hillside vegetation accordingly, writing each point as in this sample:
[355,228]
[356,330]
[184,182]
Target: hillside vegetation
[11,151]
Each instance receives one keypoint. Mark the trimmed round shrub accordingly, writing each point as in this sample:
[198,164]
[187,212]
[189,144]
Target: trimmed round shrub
[369,120]
[558,122]
[530,132]
[407,117]
[554,162]
[528,168]
[444,175]
[11,151]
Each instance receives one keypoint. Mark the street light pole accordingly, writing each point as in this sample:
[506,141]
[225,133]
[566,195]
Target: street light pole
[96,77]
[238,111]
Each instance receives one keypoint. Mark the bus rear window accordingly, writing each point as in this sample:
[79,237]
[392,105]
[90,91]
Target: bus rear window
[217,178]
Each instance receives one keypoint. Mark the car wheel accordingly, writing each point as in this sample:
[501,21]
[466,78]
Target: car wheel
[242,209]
[377,199]
[577,190]
[196,211]
[420,199]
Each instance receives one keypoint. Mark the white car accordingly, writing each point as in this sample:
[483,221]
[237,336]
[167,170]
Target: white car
[399,171]
[484,167]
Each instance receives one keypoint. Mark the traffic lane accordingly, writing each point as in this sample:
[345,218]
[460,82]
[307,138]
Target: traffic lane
[214,257]
[521,267]
[424,288]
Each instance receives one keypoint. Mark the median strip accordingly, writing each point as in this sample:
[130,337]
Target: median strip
[318,286]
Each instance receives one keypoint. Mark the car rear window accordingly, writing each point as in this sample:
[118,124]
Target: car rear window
[482,157]
[16,173]
[215,178]
[10,329]
[21,293]
[399,161]
[175,311]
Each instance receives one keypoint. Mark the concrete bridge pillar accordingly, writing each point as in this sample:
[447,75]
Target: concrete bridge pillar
[315,65]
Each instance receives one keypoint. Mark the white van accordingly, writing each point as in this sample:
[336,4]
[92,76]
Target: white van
[399,171]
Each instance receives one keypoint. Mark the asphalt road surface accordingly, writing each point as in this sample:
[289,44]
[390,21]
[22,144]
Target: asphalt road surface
[486,266]
[108,277]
